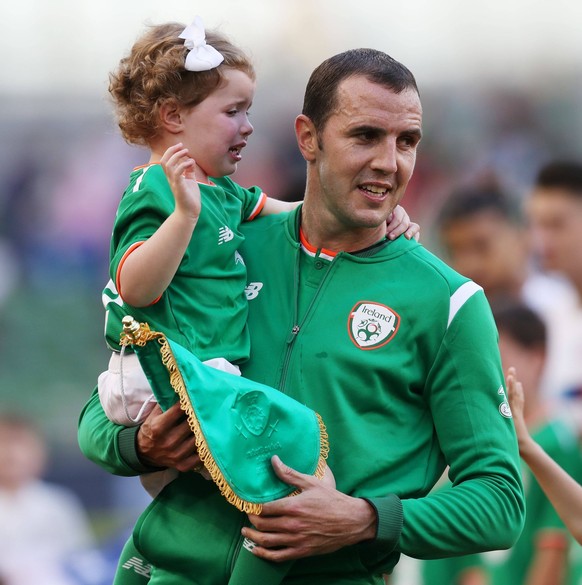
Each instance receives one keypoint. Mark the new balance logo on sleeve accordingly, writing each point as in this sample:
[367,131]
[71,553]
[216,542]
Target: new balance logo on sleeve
[138,566]
[224,235]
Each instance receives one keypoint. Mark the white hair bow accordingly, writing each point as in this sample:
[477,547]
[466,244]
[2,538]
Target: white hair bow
[200,57]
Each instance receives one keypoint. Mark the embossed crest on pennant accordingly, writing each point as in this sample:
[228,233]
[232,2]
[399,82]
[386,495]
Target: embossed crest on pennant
[372,325]
[253,408]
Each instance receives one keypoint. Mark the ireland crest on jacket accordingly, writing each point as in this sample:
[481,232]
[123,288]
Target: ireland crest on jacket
[372,325]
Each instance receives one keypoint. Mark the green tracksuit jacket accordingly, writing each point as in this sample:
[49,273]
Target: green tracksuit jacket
[398,353]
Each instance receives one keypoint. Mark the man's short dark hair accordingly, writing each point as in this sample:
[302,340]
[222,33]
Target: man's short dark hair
[467,202]
[521,323]
[321,92]
[561,174]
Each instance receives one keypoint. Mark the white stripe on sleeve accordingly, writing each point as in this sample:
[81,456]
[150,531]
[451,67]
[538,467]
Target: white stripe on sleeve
[460,297]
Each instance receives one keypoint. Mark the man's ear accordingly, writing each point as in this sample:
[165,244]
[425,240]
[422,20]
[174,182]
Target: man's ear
[306,137]
[171,117]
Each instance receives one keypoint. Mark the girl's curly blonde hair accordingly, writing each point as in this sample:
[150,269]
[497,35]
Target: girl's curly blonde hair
[153,74]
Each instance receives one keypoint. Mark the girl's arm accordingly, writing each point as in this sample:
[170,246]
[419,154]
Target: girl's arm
[148,270]
[562,490]
[398,223]
[273,206]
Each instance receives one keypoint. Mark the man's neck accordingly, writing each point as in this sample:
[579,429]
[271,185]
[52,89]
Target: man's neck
[323,233]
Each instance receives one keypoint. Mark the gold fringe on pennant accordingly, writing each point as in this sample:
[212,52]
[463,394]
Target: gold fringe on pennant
[177,383]
[323,448]
[323,452]
[144,335]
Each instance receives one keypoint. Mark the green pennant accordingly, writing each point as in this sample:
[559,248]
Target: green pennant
[238,424]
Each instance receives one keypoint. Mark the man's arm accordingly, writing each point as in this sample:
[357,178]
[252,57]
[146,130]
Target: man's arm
[163,440]
[483,510]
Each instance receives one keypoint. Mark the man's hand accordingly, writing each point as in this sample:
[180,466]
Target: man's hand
[166,440]
[319,520]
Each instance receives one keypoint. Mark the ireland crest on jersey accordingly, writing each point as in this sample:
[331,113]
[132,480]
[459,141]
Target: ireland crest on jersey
[372,325]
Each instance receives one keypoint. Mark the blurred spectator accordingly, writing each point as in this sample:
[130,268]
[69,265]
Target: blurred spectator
[484,236]
[554,209]
[540,556]
[42,526]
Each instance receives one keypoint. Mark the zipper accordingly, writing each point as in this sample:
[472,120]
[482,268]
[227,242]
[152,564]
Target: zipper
[292,336]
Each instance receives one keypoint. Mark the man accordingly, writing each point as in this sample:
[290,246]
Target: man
[397,352]
[554,210]
[485,238]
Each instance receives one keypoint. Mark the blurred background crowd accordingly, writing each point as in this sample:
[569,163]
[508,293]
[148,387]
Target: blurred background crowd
[501,87]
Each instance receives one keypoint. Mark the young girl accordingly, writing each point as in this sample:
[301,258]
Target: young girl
[175,264]
[174,259]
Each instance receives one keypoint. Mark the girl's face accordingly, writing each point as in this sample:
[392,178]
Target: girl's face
[217,129]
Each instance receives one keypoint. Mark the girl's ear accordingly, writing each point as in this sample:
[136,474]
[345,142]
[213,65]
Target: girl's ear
[306,137]
[170,117]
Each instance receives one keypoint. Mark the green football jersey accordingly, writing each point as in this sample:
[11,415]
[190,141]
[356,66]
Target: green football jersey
[204,307]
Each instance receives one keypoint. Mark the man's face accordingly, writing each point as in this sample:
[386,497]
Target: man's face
[555,218]
[488,249]
[366,155]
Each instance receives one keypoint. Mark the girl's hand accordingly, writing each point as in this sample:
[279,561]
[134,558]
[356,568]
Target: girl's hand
[399,223]
[179,168]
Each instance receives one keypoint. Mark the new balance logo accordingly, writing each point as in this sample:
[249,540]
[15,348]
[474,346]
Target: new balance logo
[139,566]
[252,290]
[249,544]
[224,235]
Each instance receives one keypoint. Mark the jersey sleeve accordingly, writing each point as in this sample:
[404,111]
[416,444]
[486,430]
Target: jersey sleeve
[484,507]
[253,199]
[141,212]
[110,446]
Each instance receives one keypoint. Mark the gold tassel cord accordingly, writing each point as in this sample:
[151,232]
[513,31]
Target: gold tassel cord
[138,336]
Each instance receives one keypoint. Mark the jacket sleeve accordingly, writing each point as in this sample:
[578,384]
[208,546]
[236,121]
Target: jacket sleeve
[484,508]
[109,445]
